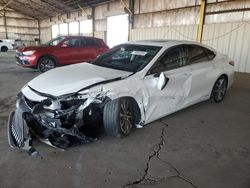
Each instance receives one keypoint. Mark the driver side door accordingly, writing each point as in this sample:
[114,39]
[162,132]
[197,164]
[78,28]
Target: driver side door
[69,52]
[174,95]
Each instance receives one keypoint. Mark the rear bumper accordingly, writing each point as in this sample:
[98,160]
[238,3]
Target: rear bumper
[230,78]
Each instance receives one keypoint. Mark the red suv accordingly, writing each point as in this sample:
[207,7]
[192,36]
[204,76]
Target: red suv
[62,50]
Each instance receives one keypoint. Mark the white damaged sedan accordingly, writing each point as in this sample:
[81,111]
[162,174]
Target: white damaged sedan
[130,85]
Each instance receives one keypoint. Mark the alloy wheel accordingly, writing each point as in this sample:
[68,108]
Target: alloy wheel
[220,89]
[126,117]
[47,64]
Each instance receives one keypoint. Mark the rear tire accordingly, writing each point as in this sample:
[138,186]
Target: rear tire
[118,117]
[219,89]
[46,63]
[4,49]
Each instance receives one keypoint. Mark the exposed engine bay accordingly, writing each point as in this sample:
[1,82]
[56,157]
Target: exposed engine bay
[57,122]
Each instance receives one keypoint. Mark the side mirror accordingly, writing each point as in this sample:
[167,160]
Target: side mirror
[162,81]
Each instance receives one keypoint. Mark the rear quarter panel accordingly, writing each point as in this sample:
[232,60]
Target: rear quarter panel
[221,63]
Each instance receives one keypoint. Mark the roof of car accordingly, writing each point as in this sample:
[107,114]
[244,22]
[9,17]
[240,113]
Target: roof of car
[167,43]
[73,36]
[162,42]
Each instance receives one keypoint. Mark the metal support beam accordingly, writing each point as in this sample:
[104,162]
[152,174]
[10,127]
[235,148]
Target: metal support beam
[131,8]
[201,20]
[5,24]
[228,11]
[93,21]
[39,31]
[10,1]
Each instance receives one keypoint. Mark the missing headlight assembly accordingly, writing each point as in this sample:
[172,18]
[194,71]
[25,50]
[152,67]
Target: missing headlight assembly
[57,122]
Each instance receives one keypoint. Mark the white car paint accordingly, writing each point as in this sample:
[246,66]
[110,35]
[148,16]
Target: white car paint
[6,44]
[186,86]
[72,78]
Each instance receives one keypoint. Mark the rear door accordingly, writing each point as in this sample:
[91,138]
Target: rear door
[101,46]
[174,95]
[88,49]
[201,63]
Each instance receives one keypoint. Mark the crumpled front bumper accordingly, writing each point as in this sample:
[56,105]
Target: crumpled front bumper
[23,125]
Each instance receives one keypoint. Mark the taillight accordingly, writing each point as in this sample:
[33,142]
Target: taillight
[231,63]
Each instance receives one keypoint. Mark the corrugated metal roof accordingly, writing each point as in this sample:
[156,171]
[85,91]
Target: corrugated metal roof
[40,9]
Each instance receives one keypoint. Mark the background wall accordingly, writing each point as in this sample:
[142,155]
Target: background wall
[226,24]
[101,12]
[45,30]
[18,27]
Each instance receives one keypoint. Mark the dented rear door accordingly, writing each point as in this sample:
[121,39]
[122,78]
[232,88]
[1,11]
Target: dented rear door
[202,70]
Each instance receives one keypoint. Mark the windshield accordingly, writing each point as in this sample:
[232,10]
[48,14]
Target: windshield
[54,41]
[127,57]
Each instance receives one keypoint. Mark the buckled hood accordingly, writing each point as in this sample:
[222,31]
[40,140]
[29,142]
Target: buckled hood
[72,78]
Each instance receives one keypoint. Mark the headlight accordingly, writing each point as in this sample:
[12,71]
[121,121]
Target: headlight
[28,53]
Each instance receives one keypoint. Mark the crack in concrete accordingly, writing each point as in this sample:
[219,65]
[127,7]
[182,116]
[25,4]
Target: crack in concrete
[156,154]
[178,173]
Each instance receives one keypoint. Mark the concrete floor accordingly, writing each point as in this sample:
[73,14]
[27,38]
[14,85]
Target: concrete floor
[206,145]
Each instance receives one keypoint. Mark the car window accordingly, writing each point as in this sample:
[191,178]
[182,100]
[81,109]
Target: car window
[210,54]
[174,58]
[127,57]
[88,42]
[101,43]
[54,41]
[198,54]
[73,42]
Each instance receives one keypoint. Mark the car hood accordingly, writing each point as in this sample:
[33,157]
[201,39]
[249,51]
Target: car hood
[72,78]
[28,48]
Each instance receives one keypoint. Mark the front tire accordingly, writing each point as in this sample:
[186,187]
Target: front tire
[118,117]
[46,63]
[219,89]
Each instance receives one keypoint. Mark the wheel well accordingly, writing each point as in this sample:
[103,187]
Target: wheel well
[4,47]
[224,75]
[47,55]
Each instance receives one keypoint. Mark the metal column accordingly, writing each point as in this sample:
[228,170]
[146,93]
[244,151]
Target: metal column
[201,20]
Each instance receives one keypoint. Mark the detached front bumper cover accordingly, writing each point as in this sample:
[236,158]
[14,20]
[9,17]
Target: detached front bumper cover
[18,132]
[26,122]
